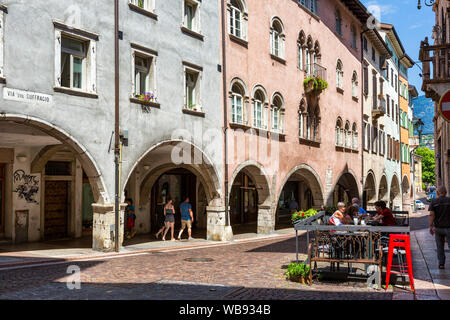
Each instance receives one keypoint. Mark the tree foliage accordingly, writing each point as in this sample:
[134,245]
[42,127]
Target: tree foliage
[428,164]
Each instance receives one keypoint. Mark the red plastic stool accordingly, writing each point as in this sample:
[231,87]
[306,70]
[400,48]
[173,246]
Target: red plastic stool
[402,241]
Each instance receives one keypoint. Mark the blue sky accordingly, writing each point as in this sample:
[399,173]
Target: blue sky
[412,26]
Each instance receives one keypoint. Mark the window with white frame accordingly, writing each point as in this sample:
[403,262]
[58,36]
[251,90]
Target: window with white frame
[237,104]
[277,113]
[191,19]
[355,84]
[144,4]
[354,137]
[374,139]
[311,5]
[144,75]
[339,133]
[340,75]
[277,38]
[237,18]
[308,61]
[382,139]
[300,56]
[259,110]
[348,135]
[192,89]
[1,43]
[364,136]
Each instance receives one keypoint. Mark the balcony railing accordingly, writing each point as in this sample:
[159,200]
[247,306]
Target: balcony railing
[436,63]
[379,107]
[314,69]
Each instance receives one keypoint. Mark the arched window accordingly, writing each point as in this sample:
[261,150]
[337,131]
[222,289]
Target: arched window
[301,49]
[354,137]
[277,113]
[340,75]
[237,96]
[338,21]
[348,135]
[260,108]
[237,18]
[277,38]
[339,133]
[355,84]
[353,36]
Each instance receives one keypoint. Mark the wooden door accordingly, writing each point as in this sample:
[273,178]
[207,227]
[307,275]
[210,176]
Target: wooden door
[56,209]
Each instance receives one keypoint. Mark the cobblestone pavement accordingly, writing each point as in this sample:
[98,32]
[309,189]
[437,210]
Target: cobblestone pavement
[248,270]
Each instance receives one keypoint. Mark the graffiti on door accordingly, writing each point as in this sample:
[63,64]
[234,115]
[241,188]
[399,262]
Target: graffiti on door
[28,186]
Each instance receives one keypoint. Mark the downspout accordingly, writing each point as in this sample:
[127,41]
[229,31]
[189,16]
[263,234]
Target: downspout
[116,126]
[225,113]
[362,116]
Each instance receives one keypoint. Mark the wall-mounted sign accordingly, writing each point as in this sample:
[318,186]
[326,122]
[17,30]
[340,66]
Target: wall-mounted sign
[444,106]
[26,96]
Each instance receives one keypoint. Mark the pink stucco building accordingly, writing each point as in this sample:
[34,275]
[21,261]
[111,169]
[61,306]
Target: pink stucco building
[284,143]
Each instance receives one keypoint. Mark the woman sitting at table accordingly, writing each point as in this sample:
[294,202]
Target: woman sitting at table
[338,216]
[349,214]
[384,215]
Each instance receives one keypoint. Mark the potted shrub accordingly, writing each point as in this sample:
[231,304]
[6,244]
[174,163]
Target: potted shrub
[301,215]
[298,272]
[314,84]
[146,97]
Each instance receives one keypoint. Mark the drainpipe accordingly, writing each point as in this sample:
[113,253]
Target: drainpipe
[116,126]
[225,113]
[362,115]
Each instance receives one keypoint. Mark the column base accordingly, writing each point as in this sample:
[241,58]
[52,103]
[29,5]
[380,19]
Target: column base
[216,230]
[266,220]
[103,229]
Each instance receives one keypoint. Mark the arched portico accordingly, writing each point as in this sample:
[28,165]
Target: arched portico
[345,188]
[301,187]
[249,197]
[383,189]
[395,194]
[370,191]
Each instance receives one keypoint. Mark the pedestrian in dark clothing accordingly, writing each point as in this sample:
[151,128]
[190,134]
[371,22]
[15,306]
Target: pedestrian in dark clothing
[131,218]
[440,222]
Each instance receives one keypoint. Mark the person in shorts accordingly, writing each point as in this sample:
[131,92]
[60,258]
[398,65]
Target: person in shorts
[440,223]
[187,218]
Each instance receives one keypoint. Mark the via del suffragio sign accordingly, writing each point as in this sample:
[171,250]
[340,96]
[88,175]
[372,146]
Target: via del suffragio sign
[26,96]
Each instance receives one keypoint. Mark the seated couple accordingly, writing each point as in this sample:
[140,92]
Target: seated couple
[342,216]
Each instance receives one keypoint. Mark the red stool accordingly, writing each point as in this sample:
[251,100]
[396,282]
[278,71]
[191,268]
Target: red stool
[402,241]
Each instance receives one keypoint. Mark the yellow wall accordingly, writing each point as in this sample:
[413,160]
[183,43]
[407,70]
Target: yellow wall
[404,133]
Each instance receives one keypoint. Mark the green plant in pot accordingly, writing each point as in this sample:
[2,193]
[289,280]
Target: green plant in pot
[314,84]
[298,272]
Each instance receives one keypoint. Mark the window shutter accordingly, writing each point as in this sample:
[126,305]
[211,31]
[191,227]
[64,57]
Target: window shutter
[366,80]
[57,58]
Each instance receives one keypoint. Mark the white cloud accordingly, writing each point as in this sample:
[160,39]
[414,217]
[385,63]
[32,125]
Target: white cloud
[381,10]
[415,26]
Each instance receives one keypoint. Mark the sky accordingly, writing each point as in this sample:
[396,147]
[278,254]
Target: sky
[412,26]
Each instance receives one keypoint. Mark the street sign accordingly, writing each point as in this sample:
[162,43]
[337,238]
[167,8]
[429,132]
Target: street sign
[444,106]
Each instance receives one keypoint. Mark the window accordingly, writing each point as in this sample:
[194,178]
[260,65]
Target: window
[237,19]
[366,136]
[382,138]
[392,77]
[393,109]
[191,19]
[192,89]
[387,105]
[397,114]
[353,36]
[339,75]
[277,114]
[73,63]
[374,139]
[355,84]
[277,38]
[311,5]
[396,83]
[144,74]
[366,79]
[300,56]
[143,4]
[354,137]
[338,22]
[339,133]
[308,61]
[348,135]
[373,54]
[260,109]
[237,104]
[365,44]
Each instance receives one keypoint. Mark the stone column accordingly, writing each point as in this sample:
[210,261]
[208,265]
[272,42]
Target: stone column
[104,226]
[216,229]
[266,220]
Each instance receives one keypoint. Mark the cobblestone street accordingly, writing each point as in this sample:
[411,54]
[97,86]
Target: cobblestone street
[251,270]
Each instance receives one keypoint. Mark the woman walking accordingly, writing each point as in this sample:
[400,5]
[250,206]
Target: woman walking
[169,212]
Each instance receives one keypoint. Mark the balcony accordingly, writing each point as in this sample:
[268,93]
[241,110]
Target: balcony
[436,67]
[316,70]
[379,107]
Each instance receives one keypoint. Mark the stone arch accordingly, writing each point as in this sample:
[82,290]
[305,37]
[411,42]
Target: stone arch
[370,190]
[87,160]
[201,167]
[309,42]
[241,84]
[242,5]
[405,185]
[395,194]
[345,188]
[383,189]
[312,177]
[257,88]
[301,37]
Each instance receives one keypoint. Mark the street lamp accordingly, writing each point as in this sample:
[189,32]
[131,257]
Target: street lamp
[418,124]
[428,3]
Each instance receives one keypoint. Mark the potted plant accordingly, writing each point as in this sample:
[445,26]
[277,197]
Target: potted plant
[194,107]
[314,84]
[298,272]
[381,96]
[301,215]
[146,97]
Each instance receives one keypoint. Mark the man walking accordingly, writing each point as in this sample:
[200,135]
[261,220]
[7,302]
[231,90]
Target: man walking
[440,222]
[187,218]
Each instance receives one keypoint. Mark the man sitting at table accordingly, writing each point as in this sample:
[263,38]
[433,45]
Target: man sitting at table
[384,215]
